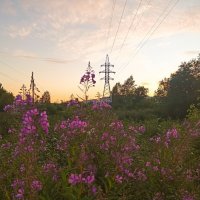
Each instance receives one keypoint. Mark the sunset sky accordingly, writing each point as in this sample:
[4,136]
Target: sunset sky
[56,38]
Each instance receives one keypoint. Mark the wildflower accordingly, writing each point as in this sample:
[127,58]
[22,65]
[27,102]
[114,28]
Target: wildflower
[17,183]
[94,189]
[141,129]
[100,105]
[118,178]
[36,185]
[77,124]
[155,168]
[20,193]
[89,179]
[8,108]
[74,179]
[44,121]
[148,164]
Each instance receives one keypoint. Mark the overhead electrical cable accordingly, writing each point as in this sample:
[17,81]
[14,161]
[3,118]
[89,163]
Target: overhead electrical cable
[111,18]
[132,22]
[118,26]
[156,25]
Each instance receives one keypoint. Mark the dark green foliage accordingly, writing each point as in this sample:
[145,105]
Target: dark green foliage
[172,98]
[5,98]
[184,87]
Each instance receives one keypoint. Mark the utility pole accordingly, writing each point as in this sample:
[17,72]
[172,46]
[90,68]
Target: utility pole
[107,78]
[23,91]
[33,89]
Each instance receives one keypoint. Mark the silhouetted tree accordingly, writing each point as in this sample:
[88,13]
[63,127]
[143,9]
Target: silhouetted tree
[5,97]
[128,88]
[184,87]
[162,88]
[46,98]
[141,92]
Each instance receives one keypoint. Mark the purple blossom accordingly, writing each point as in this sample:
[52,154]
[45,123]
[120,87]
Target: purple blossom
[8,108]
[118,179]
[17,183]
[36,185]
[148,164]
[88,179]
[141,129]
[75,178]
[100,105]
[94,189]
[20,193]
[77,124]
[44,121]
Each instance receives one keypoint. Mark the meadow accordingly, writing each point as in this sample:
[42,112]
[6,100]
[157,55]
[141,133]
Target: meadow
[85,152]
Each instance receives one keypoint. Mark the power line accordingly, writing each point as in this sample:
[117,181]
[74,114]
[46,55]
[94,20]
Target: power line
[108,33]
[118,26]
[151,28]
[19,72]
[152,31]
[132,21]
[46,59]
[9,77]
[136,25]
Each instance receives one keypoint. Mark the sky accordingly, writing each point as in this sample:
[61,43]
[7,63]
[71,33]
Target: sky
[56,39]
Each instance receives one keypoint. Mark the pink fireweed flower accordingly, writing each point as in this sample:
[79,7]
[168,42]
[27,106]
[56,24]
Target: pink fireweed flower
[8,108]
[89,179]
[148,164]
[100,105]
[140,175]
[104,135]
[20,193]
[7,145]
[156,139]
[158,196]
[63,124]
[155,168]
[77,124]
[141,129]
[36,185]
[22,168]
[17,183]
[117,125]
[94,189]
[118,179]
[188,197]
[18,104]
[169,135]
[44,121]
[73,102]
[75,178]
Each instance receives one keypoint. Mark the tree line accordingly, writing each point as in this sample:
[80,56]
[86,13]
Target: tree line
[172,98]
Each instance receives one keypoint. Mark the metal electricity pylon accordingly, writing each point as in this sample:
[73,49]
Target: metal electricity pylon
[107,78]
[33,89]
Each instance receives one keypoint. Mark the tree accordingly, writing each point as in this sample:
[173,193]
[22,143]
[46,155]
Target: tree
[141,92]
[116,89]
[46,98]
[5,97]
[128,88]
[184,87]
[162,88]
